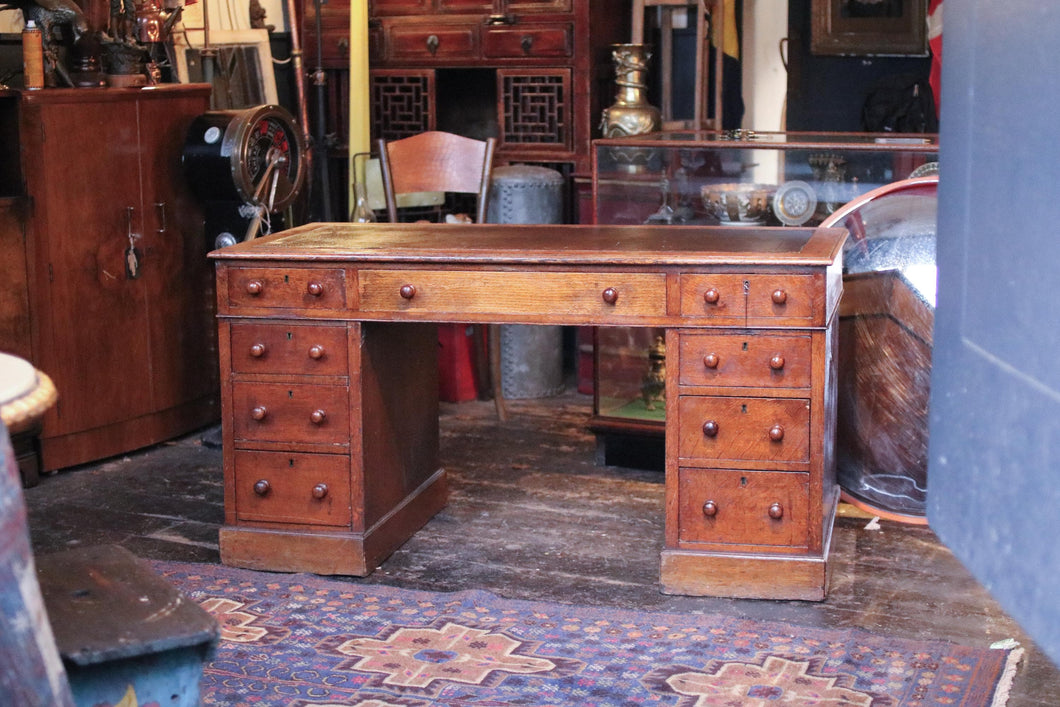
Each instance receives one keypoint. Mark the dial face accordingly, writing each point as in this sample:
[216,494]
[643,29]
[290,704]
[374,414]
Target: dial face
[270,149]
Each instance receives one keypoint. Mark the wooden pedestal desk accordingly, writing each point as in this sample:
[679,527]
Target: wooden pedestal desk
[329,384]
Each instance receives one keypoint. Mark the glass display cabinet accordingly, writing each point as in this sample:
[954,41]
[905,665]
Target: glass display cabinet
[731,178]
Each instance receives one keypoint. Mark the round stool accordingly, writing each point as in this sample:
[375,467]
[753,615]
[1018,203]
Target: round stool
[25,395]
[531,356]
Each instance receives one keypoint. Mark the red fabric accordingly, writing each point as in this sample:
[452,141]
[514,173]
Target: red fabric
[935,44]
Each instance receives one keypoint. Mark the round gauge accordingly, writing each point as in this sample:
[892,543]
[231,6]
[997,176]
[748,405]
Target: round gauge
[261,157]
[794,202]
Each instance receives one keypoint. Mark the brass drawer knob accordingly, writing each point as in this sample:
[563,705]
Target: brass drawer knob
[610,295]
[257,350]
[316,352]
[776,511]
[432,44]
[776,433]
[779,296]
[315,289]
[320,491]
[408,291]
[710,428]
[259,413]
[710,509]
[777,362]
[711,296]
[318,417]
[262,487]
[255,287]
[711,360]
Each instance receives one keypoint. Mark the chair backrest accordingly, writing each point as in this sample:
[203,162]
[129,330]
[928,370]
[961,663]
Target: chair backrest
[437,161]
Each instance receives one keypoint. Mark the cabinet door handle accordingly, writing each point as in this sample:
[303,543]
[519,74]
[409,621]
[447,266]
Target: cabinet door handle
[527,43]
[432,44]
[161,206]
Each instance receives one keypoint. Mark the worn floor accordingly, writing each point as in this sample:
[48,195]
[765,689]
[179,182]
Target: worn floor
[532,516]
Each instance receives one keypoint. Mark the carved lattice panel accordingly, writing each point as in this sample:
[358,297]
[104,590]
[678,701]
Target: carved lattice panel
[535,108]
[402,103]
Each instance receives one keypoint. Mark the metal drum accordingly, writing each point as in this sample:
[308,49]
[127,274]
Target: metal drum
[885,339]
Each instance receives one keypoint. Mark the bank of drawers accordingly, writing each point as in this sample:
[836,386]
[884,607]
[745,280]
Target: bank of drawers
[290,411]
[744,439]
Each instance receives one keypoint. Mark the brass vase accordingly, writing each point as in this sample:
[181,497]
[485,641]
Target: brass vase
[631,114]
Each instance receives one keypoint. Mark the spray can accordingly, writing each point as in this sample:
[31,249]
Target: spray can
[33,56]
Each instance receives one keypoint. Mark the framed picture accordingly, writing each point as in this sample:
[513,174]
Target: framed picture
[241,70]
[869,27]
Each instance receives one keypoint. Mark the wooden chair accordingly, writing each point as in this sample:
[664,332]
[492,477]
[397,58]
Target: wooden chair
[437,161]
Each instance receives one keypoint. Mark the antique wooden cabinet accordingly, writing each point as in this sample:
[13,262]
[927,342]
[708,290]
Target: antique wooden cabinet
[114,294]
[535,74]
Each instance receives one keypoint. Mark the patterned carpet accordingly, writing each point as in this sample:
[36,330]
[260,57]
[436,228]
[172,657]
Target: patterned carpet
[299,640]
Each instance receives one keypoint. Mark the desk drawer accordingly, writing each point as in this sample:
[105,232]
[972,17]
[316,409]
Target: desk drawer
[277,487]
[746,360]
[733,298]
[540,294]
[288,288]
[278,412]
[744,507]
[746,429]
[289,349]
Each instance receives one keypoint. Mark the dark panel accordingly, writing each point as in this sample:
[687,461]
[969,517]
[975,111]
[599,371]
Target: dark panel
[995,408]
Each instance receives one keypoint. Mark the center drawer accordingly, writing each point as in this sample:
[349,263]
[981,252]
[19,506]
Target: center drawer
[744,429]
[549,294]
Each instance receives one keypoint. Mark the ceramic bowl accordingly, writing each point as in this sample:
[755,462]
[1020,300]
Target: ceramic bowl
[739,204]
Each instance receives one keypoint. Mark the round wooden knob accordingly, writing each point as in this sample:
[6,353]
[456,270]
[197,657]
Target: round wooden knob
[315,289]
[257,350]
[710,509]
[408,291]
[711,360]
[259,412]
[777,362]
[255,287]
[711,296]
[710,428]
[318,417]
[262,487]
[320,491]
[316,352]
[776,511]
[776,433]
[779,296]
[610,295]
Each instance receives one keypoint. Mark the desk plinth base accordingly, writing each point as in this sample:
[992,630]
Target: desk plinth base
[335,552]
[749,576]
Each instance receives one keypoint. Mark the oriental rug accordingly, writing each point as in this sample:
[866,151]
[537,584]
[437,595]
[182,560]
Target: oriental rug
[300,640]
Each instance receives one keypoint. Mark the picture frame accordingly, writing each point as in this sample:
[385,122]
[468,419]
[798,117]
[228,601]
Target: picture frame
[869,27]
[245,76]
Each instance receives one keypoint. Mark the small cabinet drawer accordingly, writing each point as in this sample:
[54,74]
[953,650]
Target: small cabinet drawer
[289,349]
[276,412]
[758,429]
[292,288]
[746,360]
[744,507]
[600,295]
[433,42]
[523,42]
[277,487]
